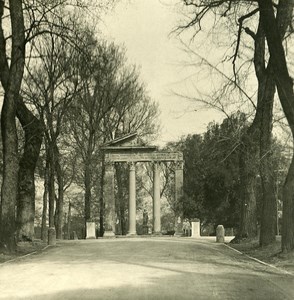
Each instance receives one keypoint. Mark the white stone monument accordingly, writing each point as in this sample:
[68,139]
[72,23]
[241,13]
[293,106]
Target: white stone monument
[195,228]
[220,234]
[91,230]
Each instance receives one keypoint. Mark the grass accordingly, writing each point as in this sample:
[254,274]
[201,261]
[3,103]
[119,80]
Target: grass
[23,248]
[270,254]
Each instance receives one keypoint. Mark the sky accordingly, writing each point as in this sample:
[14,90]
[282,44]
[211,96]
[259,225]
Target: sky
[144,28]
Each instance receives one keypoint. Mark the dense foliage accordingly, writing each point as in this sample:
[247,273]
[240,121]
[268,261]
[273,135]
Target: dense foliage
[211,172]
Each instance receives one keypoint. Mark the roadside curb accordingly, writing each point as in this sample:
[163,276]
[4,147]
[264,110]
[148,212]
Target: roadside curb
[23,256]
[260,261]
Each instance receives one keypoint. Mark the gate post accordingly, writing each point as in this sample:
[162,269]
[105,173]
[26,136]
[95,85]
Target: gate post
[220,234]
[109,200]
[156,200]
[179,194]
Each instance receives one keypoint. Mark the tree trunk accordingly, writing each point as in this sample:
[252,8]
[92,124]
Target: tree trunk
[69,221]
[87,182]
[269,202]
[266,95]
[11,78]
[101,202]
[284,85]
[10,173]
[59,202]
[51,186]
[264,117]
[45,202]
[248,174]
[26,175]
[88,178]
[288,211]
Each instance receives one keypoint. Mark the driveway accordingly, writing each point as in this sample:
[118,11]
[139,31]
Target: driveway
[142,268]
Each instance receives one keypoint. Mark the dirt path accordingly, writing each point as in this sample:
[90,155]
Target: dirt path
[142,268]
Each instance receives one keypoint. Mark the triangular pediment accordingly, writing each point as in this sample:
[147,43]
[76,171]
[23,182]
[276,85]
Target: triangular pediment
[126,140]
[129,142]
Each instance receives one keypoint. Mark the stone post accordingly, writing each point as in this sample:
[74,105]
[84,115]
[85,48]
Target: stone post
[90,230]
[109,201]
[51,236]
[220,234]
[132,199]
[195,228]
[156,199]
[179,193]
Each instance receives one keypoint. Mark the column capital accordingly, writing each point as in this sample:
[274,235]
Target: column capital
[132,165]
[109,166]
[179,165]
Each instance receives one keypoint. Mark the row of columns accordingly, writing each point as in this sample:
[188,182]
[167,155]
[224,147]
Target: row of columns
[110,201]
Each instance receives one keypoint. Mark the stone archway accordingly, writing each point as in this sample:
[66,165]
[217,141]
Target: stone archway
[128,150]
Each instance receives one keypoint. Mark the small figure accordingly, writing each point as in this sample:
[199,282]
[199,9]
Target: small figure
[145,221]
[145,217]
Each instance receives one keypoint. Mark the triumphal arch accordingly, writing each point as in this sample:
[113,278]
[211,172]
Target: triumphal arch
[128,150]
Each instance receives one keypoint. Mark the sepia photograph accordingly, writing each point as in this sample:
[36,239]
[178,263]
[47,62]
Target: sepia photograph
[146,149]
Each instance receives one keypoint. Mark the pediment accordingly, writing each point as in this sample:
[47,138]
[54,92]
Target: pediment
[127,140]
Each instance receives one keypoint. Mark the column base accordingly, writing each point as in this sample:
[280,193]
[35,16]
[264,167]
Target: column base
[178,234]
[156,234]
[132,234]
[108,234]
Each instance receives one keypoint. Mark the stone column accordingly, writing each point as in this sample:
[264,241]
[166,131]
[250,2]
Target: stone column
[156,199]
[179,193]
[132,199]
[109,201]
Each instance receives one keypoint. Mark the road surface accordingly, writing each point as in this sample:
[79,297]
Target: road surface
[142,268]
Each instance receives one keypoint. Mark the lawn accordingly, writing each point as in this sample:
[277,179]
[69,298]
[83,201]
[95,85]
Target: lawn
[270,254]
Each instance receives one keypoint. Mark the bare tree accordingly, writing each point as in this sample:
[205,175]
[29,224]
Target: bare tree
[112,103]
[285,90]
[26,186]
[255,155]
[11,78]
[50,85]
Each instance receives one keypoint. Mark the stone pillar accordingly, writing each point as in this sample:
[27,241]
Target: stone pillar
[195,228]
[179,193]
[132,199]
[109,201]
[51,236]
[156,199]
[220,234]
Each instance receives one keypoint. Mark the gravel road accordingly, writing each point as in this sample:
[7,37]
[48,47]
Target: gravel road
[142,268]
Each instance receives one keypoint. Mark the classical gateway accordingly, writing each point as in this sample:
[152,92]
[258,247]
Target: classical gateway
[127,150]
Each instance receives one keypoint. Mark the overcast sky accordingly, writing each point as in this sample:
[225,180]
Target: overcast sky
[144,27]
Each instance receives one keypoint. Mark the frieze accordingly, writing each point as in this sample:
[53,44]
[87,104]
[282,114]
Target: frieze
[143,157]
